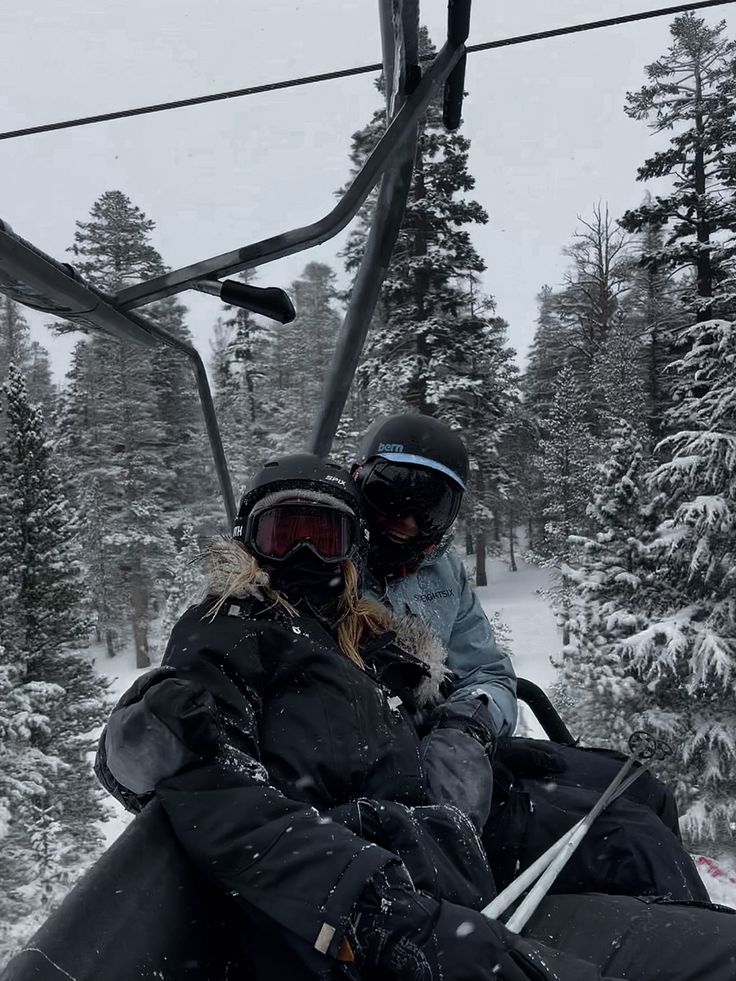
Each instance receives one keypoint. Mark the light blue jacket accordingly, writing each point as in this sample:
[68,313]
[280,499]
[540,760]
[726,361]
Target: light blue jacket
[440,594]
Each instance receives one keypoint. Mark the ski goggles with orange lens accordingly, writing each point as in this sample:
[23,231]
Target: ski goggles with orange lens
[395,489]
[276,532]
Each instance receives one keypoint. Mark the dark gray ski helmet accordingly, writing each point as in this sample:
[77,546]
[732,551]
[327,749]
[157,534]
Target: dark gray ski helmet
[417,440]
[315,482]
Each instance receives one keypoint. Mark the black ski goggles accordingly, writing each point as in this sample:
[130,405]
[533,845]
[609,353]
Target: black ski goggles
[276,532]
[396,489]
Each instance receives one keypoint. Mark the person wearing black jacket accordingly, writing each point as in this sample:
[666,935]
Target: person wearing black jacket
[308,806]
[304,714]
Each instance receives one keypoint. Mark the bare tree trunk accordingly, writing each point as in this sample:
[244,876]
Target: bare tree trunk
[512,536]
[110,642]
[140,624]
[481,578]
[468,541]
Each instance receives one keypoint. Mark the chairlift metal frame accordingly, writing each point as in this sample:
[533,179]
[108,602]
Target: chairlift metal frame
[34,279]
[72,943]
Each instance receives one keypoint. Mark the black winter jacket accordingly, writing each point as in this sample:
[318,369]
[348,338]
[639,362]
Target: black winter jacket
[316,786]
[317,783]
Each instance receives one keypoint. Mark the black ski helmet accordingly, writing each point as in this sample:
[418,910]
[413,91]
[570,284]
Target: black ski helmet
[411,440]
[307,472]
[416,439]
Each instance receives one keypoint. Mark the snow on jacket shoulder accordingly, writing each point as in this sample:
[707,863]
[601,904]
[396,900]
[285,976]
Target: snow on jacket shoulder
[440,594]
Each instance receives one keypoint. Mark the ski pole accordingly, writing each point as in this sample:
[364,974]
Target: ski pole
[642,746]
[549,864]
[514,890]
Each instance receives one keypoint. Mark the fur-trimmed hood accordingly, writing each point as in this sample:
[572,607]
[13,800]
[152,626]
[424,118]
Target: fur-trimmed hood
[228,565]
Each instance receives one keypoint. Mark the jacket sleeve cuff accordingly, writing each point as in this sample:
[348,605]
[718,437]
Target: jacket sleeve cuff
[346,893]
[322,926]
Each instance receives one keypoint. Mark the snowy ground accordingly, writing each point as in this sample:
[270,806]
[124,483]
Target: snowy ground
[534,639]
[534,635]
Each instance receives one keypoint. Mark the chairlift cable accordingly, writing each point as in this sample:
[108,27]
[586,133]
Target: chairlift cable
[359,70]
[594,25]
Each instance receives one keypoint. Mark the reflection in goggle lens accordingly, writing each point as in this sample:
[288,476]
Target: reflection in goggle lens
[279,530]
[395,490]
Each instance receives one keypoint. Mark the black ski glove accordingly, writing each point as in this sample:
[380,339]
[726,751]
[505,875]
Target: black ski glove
[456,758]
[404,935]
[530,757]
[161,725]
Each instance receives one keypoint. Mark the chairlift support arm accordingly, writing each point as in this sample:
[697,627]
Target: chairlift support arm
[34,279]
[307,236]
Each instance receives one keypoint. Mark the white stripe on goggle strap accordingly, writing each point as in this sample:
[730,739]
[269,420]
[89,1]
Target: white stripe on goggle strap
[422,461]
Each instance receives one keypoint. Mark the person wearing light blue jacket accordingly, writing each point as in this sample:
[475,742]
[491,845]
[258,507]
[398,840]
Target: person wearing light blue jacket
[440,594]
[412,470]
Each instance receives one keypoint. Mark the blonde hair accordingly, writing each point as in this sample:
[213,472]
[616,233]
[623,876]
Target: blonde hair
[359,617]
[238,572]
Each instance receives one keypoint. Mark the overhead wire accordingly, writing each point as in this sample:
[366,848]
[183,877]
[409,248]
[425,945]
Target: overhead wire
[359,70]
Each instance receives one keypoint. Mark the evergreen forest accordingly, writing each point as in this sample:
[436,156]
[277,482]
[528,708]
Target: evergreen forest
[609,459]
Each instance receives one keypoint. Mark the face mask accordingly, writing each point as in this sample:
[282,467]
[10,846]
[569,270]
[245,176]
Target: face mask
[304,577]
[390,559]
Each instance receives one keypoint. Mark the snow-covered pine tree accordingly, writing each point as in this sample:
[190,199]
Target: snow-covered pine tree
[14,336]
[548,352]
[243,352]
[691,93]
[188,491]
[612,574]
[520,488]
[113,431]
[655,312]
[268,379]
[50,697]
[17,347]
[479,396]
[686,654]
[617,377]
[567,456]
[227,403]
[588,303]
[187,585]
[419,341]
[81,431]
[303,350]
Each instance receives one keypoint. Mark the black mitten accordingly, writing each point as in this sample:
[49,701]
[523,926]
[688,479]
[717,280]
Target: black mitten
[160,726]
[403,935]
[456,758]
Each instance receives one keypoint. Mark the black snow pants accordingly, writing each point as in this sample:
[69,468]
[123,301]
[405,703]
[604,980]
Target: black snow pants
[594,769]
[640,939]
[628,851]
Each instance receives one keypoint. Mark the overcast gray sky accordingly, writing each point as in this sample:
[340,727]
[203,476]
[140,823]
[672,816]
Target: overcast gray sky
[549,136]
